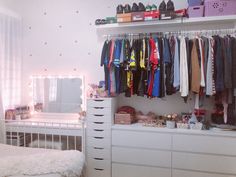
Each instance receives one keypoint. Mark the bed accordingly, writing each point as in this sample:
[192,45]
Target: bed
[35,143]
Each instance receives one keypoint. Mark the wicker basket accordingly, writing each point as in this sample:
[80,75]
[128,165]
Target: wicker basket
[124,119]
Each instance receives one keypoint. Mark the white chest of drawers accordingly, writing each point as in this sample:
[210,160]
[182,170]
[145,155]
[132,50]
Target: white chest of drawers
[100,116]
[153,152]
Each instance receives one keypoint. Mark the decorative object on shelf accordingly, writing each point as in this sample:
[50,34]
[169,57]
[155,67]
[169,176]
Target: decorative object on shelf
[142,118]
[111,20]
[10,114]
[38,107]
[171,120]
[96,91]
[100,22]
[220,7]
[125,115]
[23,112]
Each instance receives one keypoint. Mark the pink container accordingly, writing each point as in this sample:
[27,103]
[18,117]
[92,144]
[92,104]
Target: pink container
[196,11]
[220,7]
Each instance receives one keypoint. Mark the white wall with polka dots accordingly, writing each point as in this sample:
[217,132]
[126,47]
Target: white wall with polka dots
[59,37]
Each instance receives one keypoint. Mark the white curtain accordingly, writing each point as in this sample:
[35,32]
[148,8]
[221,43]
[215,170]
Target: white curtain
[10,62]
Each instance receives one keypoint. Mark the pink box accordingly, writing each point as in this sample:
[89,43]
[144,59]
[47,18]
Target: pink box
[196,11]
[194,2]
[220,7]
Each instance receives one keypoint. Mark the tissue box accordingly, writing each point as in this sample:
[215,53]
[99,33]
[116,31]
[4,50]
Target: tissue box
[196,11]
[220,7]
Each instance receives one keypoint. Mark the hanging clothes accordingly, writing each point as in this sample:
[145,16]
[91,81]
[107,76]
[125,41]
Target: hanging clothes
[157,66]
[184,85]
[196,73]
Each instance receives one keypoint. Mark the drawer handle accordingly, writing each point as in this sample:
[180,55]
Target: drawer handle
[98,159]
[98,115]
[98,107]
[98,130]
[98,169]
[98,122]
[99,138]
[98,148]
[99,100]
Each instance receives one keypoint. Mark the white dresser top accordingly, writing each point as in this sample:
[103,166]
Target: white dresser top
[140,127]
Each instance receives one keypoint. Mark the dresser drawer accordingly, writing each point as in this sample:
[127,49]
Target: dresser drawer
[151,140]
[100,102]
[141,157]
[99,111]
[99,163]
[99,125]
[204,163]
[120,170]
[99,142]
[205,144]
[104,153]
[99,118]
[181,173]
[93,132]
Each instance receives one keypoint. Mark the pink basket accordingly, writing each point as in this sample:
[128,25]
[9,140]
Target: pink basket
[220,7]
[196,11]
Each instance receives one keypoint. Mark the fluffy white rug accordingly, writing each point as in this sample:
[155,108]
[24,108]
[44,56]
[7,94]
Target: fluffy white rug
[65,163]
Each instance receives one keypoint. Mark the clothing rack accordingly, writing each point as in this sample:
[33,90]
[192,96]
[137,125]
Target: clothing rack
[181,32]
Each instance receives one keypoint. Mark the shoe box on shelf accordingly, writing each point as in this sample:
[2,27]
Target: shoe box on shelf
[124,18]
[151,15]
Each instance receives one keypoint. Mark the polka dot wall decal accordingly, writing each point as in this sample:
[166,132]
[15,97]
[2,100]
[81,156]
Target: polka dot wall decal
[60,26]
[77,11]
[89,53]
[90,24]
[30,55]
[76,41]
[108,7]
[45,13]
[74,69]
[60,54]
[30,27]
[45,43]
[45,69]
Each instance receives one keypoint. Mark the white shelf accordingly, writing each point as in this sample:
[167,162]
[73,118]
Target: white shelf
[201,23]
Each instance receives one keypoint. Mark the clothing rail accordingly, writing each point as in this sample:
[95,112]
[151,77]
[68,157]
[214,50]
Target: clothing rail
[181,32]
[48,135]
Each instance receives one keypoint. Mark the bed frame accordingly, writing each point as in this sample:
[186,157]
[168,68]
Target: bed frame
[44,134]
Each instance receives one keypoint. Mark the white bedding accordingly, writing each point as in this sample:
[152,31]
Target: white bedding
[22,162]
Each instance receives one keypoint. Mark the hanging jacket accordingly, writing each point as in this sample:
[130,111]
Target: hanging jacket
[184,85]
[219,64]
[196,72]
[176,65]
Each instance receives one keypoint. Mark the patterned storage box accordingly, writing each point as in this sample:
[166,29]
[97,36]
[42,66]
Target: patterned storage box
[220,7]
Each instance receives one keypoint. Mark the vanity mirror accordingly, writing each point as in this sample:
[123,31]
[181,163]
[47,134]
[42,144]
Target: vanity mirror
[58,94]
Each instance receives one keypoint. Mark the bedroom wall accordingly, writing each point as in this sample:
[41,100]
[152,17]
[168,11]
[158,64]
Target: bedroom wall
[59,37]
